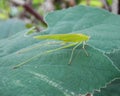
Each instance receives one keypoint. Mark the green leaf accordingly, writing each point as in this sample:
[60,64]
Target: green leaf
[114,56]
[59,77]
[10,27]
[112,89]
[50,74]
[38,1]
[96,23]
[110,2]
[96,3]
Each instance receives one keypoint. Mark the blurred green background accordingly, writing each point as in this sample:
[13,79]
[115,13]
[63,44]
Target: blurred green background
[33,11]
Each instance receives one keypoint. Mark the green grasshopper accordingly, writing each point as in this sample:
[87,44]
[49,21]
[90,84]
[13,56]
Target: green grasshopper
[73,39]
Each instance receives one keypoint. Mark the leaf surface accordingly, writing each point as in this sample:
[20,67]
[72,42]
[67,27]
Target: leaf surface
[113,89]
[50,74]
[96,23]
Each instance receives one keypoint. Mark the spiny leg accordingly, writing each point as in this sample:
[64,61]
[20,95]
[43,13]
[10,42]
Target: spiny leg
[35,47]
[46,52]
[84,43]
[73,52]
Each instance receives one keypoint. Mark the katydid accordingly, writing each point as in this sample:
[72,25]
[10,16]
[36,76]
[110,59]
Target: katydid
[68,38]
[73,39]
